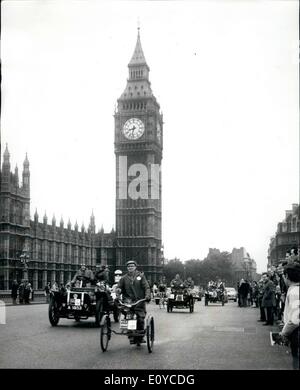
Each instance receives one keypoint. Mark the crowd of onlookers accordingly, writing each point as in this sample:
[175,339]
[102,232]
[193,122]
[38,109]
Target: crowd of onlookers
[23,291]
[268,294]
[276,295]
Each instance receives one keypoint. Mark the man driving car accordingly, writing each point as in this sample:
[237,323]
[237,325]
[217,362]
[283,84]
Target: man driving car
[83,274]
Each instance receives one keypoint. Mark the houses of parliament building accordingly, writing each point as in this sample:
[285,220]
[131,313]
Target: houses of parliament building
[52,250]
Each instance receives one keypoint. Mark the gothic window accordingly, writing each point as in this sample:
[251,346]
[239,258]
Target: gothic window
[138,94]
[130,93]
[294,225]
[39,250]
[142,87]
[56,252]
[129,88]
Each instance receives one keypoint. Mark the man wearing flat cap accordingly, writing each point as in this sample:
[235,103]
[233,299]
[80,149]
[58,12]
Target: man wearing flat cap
[291,313]
[134,286]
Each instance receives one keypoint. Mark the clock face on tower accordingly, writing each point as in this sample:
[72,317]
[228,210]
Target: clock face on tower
[133,128]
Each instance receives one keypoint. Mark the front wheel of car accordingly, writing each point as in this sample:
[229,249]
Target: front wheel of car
[53,312]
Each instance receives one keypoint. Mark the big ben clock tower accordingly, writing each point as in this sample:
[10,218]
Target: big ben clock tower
[138,150]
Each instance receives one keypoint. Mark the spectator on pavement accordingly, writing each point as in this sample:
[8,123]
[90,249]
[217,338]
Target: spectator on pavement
[268,299]
[27,293]
[255,293]
[291,311]
[243,291]
[21,291]
[261,289]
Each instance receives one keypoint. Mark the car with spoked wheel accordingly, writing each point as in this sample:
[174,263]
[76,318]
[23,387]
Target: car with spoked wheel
[80,303]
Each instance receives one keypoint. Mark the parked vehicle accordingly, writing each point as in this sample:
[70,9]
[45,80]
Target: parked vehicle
[231,293]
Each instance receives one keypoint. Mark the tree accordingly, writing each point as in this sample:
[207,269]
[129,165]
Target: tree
[172,268]
[217,265]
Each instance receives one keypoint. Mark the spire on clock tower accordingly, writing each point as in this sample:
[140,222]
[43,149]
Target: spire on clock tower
[138,57]
[138,84]
[138,68]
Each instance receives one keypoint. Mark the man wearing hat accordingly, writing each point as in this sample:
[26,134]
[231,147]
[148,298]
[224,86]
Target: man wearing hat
[291,313]
[83,274]
[134,286]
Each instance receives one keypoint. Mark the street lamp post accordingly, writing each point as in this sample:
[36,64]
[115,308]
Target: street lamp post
[24,260]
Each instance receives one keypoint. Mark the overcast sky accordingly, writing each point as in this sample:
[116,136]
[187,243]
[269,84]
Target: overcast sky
[226,76]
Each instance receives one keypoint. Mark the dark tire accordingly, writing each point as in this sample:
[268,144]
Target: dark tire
[77,318]
[150,334]
[223,301]
[206,302]
[105,332]
[157,301]
[169,308]
[99,312]
[53,312]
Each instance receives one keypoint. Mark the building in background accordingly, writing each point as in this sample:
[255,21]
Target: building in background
[46,252]
[42,251]
[286,238]
[243,265]
[138,149]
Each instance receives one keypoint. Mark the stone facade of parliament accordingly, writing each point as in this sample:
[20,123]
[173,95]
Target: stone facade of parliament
[55,251]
